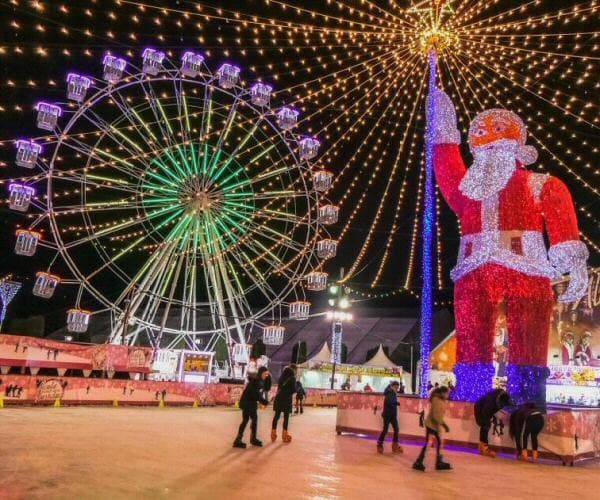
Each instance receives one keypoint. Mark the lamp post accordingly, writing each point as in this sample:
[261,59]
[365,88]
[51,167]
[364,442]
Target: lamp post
[339,302]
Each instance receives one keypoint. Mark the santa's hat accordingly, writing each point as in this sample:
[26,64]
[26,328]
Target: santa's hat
[501,124]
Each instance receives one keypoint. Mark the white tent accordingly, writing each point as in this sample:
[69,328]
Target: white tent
[380,360]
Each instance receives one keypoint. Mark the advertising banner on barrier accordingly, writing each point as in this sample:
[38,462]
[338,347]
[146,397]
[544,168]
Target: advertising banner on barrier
[21,351]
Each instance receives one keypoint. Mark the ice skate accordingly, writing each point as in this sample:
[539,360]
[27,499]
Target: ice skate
[238,443]
[522,456]
[441,465]
[256,442]
[419,465]
[273,435]
[485,451]
[286,438]
[396,448]
[380,448]
[534,456]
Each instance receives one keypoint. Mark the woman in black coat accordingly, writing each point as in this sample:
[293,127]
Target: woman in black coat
[252,395]
[283,402]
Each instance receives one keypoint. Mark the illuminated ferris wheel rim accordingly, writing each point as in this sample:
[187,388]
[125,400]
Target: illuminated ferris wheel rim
[299,164]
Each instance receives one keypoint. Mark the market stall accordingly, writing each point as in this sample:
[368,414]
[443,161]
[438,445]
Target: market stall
[375,374]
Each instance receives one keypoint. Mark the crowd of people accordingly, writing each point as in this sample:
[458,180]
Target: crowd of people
[525,424]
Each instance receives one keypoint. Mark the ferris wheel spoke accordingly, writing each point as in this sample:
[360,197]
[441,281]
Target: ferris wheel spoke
[159,115]
[127,111]
[90,179]
[205,125]
[106,158]
[126,225]
[118,137]
[214,159]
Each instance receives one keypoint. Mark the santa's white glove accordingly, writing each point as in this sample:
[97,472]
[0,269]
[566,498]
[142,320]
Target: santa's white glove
[571,257]
[444,127]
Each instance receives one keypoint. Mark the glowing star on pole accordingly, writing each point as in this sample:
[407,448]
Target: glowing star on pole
[504,212]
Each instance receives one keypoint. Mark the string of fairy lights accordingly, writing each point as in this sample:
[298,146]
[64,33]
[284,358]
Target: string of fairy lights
[356,70]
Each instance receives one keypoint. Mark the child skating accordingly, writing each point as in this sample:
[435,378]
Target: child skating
[390,416]
[434,423]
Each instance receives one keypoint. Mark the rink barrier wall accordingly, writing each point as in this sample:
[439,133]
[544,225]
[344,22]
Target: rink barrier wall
[569,434]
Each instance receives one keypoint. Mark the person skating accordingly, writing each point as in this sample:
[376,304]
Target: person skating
[300,395]
[252,395]
[485,408]
[390,416]
[282,404]
[434,423]
[527,420]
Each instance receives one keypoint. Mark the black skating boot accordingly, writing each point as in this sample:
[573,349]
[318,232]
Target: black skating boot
[255,441]
[419,465]
[379,447]
[238,443]
[441,465]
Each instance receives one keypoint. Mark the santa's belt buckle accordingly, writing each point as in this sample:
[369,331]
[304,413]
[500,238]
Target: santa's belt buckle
[516,245]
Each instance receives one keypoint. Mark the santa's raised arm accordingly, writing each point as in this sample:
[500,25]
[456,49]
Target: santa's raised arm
[504,212]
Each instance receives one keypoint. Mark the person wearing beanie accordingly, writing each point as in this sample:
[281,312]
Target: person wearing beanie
[282,403]
[506,214]
[485,408]
[434,423]
[252,395]
[527,420]
[390,416]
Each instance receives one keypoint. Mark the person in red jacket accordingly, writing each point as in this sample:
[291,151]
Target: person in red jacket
[505,211]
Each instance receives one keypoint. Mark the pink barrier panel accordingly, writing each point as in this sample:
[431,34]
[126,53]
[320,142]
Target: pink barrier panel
[19,351]
[569,433]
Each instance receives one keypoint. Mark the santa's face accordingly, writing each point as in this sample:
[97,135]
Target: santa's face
[494,164]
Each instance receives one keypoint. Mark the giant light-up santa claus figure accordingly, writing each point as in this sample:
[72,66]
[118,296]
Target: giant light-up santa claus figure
[504,211]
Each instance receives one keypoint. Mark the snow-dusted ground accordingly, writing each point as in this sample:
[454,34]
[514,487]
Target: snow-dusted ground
[186,453]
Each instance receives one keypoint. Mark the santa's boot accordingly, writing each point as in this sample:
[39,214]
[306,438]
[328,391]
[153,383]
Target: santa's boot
[285,437]
[473,380]
[379,448]
[419,465]
[238,443]
[527,384]
[273,435]
[534,456]
[484,450]
[396,448]
[441,465]
[522,456]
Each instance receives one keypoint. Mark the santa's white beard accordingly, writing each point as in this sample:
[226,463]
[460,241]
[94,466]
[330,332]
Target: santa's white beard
[492,168]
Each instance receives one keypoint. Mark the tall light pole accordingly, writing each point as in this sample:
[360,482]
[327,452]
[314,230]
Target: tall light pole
[338,302]
[428,228]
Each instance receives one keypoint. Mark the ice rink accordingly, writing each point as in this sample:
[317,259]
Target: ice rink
[186,453]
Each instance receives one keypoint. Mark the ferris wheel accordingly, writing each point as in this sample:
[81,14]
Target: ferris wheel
[179,200]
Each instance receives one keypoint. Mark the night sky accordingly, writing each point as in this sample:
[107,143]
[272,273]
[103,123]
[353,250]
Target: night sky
[40,42]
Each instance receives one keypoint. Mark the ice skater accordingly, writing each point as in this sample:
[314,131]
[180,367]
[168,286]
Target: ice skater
[485,408]
[252,395]
[390,416]
[300,395]
[282,404]
[434,423]
[527,420]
